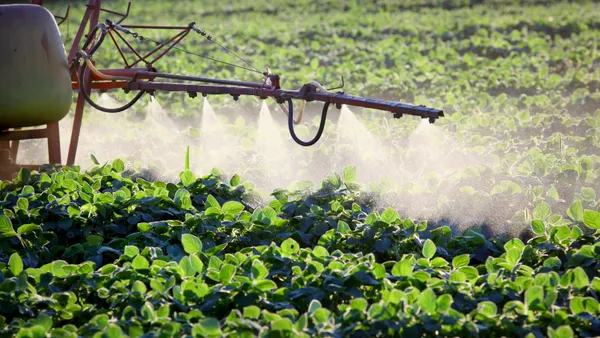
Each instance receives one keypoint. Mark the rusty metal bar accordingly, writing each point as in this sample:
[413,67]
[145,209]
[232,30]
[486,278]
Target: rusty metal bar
[154,27]
[175,43]
[23,134]
[119,49]
[335,98]
[202,79]
[140,57]
[185,32]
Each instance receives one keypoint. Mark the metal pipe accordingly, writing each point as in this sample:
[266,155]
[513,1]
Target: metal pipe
[204,79]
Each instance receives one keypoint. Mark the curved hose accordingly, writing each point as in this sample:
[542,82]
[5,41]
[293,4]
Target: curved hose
[85,94]
[319,132]
[90,38]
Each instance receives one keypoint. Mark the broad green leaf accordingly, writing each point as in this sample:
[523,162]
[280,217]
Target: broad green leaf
[429,249]
[444,303]
[513,255]
[541,211]
[289,247]
[487,308]
[427,300]
[258,271]
[191,244]
[591,219]
[402,268]
[538,227]
[343,227]
[265,285]
[564,331]
[131,251]
[148,312]
[23,204]
[575,211]
[28,228]
[187,178]
[118,165]
[15,264]
[534,297]
[232,207]
[283,324]
[140,262]
[580,278]
[350,173]
[251,312]
[212,202]
[460,261]
[389,215]
[226,273]
[5,225]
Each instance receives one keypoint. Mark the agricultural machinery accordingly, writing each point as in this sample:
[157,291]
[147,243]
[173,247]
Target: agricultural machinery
[39,78]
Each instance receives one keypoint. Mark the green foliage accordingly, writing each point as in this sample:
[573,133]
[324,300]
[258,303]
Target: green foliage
[105,253]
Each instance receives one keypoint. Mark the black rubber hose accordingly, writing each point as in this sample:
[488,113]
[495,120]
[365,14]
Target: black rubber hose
[100,26]
[319,132]
[84,92]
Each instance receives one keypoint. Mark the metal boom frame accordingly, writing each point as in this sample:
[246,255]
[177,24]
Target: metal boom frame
[85,78]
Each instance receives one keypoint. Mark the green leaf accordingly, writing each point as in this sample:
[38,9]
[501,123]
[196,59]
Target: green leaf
[444,303]
[538,227]
[283,324]
[541,211]
[210,326]
[427,300]
[575,211]
[389,215]
[144,227]
[186,165]
[45,321]
[140,262]
[6,225]
[564,331]
[148,312]
[118,165]
[131,251]
[258,271]
[343,227]
[588,194]
[460,261]
[28,228]
[15,264]
[591,219]
[226,273]
[23,204]
[232,207]
[235,180]
[580,278]
[402,268]
[289,247]
[251,312]
[265,285]
[429,249]
[487,308]
[513,255]
[197,263]
[350,173]
[191,244]
[534,297]
[212,202]
[187,178]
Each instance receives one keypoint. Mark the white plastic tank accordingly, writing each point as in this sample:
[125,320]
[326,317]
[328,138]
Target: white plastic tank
[35,84]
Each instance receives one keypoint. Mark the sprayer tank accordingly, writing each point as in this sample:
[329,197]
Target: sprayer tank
[35,85]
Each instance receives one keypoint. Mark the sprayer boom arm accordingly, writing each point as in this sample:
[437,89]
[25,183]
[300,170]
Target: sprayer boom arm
[237,88]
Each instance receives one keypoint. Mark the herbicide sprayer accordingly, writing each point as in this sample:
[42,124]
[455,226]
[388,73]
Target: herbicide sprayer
[38,79]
